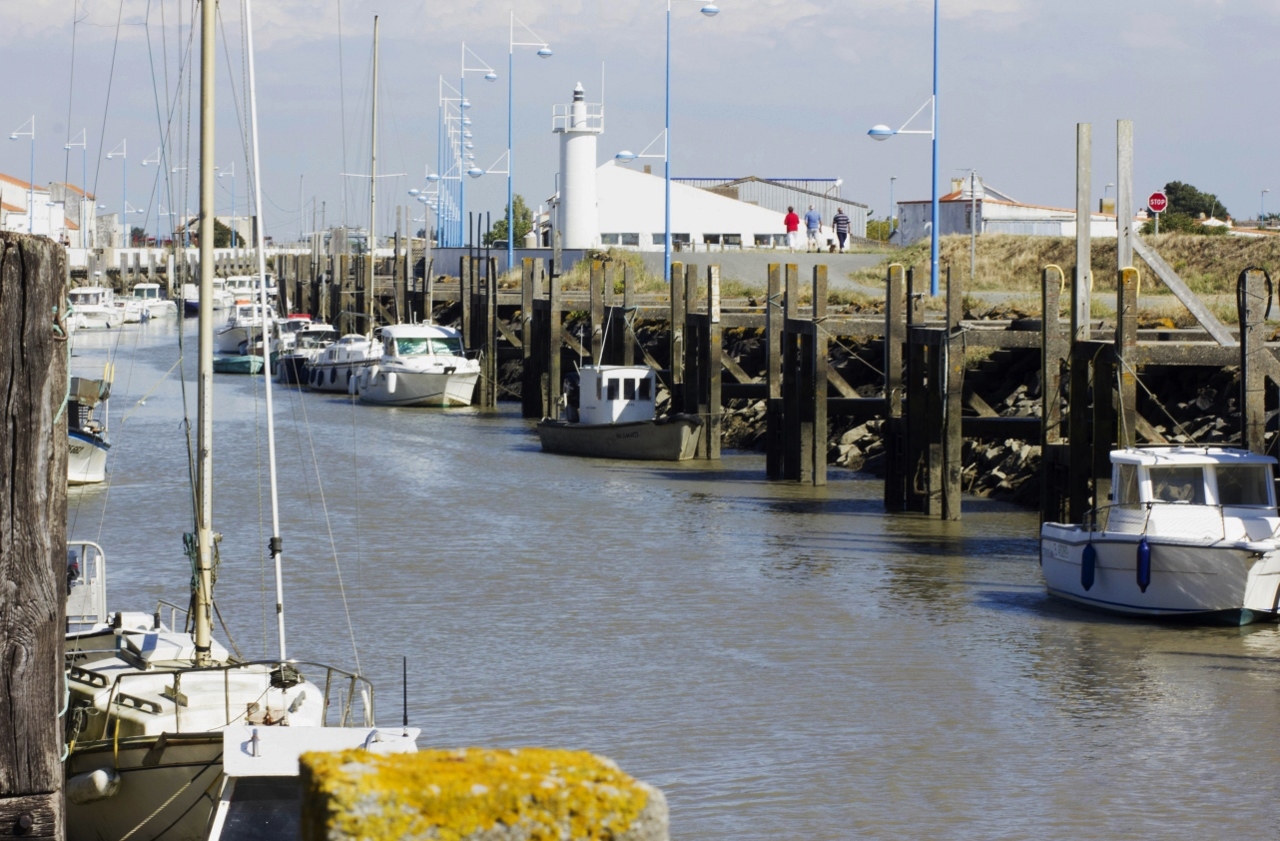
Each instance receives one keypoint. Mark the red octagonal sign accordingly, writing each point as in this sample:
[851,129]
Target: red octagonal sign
[1158,202]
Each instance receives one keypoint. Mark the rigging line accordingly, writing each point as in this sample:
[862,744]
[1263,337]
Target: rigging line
[71,88]
[106,102]
[143,399]
[165,125]
[235,102]
[342,115]
[112,355]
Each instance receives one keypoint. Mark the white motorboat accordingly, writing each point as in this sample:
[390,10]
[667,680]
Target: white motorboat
[293,361]
[87,444]
[1190,532]
[245,327]
[222,299]
[148,302]
[615,416]
[336,366]
[420,365]
[246,288]
[93,308]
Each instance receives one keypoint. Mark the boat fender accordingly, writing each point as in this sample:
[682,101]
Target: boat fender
[1144,564]
[353,383]
[391,382]
[1088,566]
[449,369]
[93,786]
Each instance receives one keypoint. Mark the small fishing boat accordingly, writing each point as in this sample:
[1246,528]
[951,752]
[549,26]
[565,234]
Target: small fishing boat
[1190,532]
[307,344]
[420,365]
[334,368]
[93,308]
[87,417]
[247,363]
[615,417]
[222,299]
[148,302]
[245,326]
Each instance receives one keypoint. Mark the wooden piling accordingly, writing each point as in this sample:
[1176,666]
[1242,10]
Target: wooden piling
[531,379]
[33,559]
[1126,344]
[953,396]
[712,366]
[551,408]
[1252,300]
[675,385]
[794,446]
[893,430]
[596,283]
[774,316]
[1054,473]
[628,303]
[817,388]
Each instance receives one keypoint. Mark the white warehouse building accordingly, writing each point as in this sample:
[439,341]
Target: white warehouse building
[997,214]
[625,207]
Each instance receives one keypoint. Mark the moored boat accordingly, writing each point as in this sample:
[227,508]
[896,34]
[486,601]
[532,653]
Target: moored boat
[420,365]
[93,308]
[334,368]
[1190,532]
[87,417]
[615,417]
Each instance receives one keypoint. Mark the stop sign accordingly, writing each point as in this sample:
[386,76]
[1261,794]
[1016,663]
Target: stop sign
[1158,201]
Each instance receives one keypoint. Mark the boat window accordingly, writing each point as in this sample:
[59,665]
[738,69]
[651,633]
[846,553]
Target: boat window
[1243,484]
[264,807]
[437,346]
[1126,491]
[629,389]
[646,389]
[1178,484]
[613,389]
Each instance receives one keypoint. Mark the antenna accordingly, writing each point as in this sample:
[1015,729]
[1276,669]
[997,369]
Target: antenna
[602,87]
[404,684]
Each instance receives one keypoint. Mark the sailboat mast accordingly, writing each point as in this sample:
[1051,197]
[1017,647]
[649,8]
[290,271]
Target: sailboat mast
[369,285]
[204,423]
[259,245]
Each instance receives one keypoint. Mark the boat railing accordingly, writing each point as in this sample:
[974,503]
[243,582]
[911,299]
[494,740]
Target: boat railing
[174,612]
[1209,519]
[352,692]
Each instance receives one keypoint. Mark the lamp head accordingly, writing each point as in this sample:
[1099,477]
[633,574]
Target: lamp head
[466,121]
[65,146]
[545,52]
[491,76]
[711,10]
[626,156]
[464,104]
[433,178]
[415,191]
[880,132]
[475,172]
[13,136]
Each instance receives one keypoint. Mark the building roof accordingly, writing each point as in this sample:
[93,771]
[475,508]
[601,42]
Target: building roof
[12,208]
[73,188]
[798,185]
[70,225]
[15,181]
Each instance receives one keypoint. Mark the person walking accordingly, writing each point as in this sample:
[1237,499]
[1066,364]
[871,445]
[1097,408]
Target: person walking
[813,224]
[841,223]
[792,223]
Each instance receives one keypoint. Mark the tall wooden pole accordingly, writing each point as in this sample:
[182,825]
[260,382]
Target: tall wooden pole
[203,597]
[33,536]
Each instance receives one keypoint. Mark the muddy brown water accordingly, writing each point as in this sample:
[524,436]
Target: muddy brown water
[785,662]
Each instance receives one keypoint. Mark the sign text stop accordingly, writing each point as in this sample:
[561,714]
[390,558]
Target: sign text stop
[1158,202]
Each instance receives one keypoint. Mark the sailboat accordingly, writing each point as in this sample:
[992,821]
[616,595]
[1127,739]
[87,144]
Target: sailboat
[407,364]
[169,736]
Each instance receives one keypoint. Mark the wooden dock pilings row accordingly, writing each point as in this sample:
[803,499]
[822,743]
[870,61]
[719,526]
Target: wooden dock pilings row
[1090,376]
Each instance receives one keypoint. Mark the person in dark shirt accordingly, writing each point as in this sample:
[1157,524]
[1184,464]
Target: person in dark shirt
[841,223]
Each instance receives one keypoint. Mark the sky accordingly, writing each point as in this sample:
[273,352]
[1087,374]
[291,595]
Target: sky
[767,88]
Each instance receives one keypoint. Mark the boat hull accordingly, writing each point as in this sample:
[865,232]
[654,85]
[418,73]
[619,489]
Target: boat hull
[399,388]
[1217,581]
[237,364]
[86,458]
[184,766]
[332,377]
[668,439]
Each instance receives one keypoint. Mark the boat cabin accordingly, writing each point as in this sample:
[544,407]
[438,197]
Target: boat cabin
[146,292]
[91,296]
[616,393]
[247,287]
[1196,491]
[251,314]
[414,340]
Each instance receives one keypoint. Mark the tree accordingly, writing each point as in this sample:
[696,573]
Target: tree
[523,219]
[137,236]
[221,235]
[1186,199]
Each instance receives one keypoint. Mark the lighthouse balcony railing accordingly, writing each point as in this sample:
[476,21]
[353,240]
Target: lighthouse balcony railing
[590,119]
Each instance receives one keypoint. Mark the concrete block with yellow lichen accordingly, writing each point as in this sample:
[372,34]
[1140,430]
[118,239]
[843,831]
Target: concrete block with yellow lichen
[476,794]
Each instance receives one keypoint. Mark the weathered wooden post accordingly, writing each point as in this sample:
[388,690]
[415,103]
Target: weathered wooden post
[794,465]
[1054,478]
[33,485]
[677,290]
[817,354]
[1126,347]
[953,432]
[893,430]
[491,334]
[464,298]
[338,285]
[692,346]
[596,284]
[628,305]
[551,408]
[917,474]
[712,366]
[530,373]
[1251,296]
[774,315]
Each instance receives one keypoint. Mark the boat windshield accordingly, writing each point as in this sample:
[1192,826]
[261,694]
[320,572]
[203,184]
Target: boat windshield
[1243,484]
[1178,484]
[433,346]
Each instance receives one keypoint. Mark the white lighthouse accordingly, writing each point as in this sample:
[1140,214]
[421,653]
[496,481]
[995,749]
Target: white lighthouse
[578,124]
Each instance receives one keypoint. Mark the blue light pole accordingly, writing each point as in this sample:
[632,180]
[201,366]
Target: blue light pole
[84,183]
[231,171]
[31,187]
[489,76]
[883,132]
[122,152]
[544,51]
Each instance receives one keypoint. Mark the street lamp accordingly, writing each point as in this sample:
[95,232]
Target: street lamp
[231,171]
[155,159]
[883,132]
[84,182]
[710,10]
[31,187]
[121,152]
[544,51]
[464,104]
